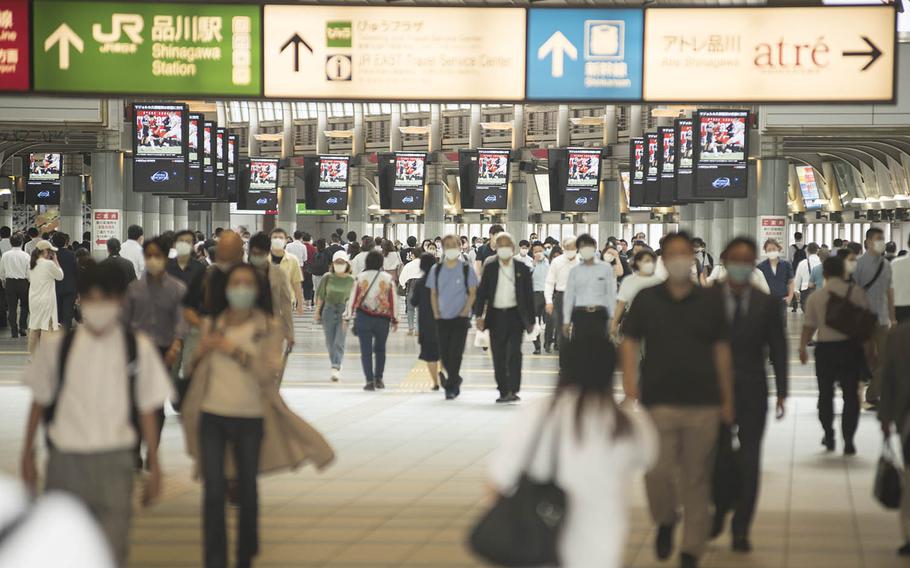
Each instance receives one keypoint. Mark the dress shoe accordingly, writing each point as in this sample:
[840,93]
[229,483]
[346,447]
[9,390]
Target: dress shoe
[537,351]
[741,544]
[371,386]
[380,385]
[663,546]
[503,398]
[443,380]
[548,348]
[687,561]
[828,442]
[849,449]
[514,398]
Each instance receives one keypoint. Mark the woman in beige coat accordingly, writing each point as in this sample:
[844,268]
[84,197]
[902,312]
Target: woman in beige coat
[233,401]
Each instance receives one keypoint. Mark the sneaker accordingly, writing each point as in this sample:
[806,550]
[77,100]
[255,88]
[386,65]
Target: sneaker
[687,561]
[849,449]
[380,385]
[335,373]
[548,348]
[504,398]
[742,544]
[663,546]
[450,395]
[514,398]
[371,386]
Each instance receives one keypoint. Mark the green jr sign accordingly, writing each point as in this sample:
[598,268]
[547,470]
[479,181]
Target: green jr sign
[149,49]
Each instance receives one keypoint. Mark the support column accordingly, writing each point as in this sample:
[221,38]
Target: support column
[107,191]
[181,216]
[394,128]
[287,195]
[635,128]
[165,214]
[70,207]
[518,210]
[357,209]
[768,182]
[475,133]
[562,126]
[434,210]
[220,216]
[132,201]
[150,220]
[608,212]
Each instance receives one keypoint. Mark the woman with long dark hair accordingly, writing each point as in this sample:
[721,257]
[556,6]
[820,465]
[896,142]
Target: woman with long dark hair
[582,441]
[427,333]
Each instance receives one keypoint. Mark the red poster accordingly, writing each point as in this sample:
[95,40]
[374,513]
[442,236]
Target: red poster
[14,40]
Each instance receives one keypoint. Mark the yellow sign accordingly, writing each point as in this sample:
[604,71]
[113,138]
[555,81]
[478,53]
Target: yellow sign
[764,54]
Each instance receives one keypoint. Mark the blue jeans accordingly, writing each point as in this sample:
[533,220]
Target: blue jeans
[372,331]
[335,332]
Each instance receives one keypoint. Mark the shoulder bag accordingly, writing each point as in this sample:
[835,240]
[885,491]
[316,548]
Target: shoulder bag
[523,529]
[888,484]
[357,305]
[852,320]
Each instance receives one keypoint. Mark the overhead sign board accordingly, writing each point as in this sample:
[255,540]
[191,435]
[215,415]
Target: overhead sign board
[584,54]
[765,54]
[401,53]
[148,49]
[14,45]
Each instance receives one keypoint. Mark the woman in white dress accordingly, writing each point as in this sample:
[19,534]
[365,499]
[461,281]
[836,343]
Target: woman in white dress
[594,447]
[44,272]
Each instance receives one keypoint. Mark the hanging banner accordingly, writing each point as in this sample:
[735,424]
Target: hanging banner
[106,225]
[772,227]
[766,54]
[149,49]
[400,53]
[14,48]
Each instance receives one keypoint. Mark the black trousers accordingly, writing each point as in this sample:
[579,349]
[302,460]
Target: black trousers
[506,335]
[804,297]
[308,287]
[902,313]
[540,312]
[17,302]
[838,362]
[751,415]
[556,318]
[453,334]
[245,437]
[585,323]
[66,309]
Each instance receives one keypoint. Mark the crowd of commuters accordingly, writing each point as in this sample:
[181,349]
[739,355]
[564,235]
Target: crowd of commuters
[691,335]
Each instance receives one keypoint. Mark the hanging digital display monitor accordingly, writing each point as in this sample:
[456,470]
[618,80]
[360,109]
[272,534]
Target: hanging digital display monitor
[221,140]
[232,167]
[160,148]
[685,189]
[652,170]
[637,168]
[666,160]
[259,190]
[42,185]
[209,189]
[332,188]
[721,151]
[194,154]
[808,187]
[402,176]
[582,179]
[483,177]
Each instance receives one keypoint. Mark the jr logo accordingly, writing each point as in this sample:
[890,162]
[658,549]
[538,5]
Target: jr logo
[121,24]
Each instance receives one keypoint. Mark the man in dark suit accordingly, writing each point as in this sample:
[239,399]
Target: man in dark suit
[756,332]
[122,264]
[66,288]
[505,305]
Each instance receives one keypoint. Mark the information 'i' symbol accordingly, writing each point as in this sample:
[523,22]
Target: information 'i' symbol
[338,67]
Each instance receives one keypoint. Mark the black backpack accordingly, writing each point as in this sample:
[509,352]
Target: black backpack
[320,264]
[132,370]
[799,256]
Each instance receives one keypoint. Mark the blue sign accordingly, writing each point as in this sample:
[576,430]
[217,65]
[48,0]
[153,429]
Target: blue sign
[585,54]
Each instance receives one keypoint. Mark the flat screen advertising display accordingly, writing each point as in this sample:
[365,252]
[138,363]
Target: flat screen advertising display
[666,160]
[261,185]
[232,160]
[332,189]
[652,170]
[221,164]
[194,154]
[43,183]
[685,189]
[583,179]
[160,147]
[209,189]
[637,171]
[721,150]
[401,177]
[625,178]
[812,200]
[492,188]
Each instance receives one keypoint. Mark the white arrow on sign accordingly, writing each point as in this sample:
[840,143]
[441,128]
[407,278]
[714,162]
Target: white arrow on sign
[66,37]
[558,46]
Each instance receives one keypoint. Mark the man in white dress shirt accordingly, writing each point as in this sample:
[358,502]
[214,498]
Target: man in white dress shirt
[14,267]
[803,277]
[557,279]
[131,250]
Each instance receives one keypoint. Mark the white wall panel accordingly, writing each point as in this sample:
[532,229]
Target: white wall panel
[30,108]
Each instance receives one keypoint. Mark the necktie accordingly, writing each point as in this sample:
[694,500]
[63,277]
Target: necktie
[737,309]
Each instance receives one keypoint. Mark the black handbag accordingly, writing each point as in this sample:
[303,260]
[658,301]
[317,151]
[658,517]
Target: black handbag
[523,529]
[846,317]
[727,481]
[888,483]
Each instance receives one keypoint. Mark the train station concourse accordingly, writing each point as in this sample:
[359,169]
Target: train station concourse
[454,283]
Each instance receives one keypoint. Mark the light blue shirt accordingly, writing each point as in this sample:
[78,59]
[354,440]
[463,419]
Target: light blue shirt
[866,267]
[590,285]
[450,287]
[539,274]
[817,277]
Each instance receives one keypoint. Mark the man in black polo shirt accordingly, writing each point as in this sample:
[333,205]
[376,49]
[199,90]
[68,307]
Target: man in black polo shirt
[687,387]
[487,250]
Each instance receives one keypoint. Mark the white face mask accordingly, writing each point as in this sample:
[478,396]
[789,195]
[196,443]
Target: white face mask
[259,260]
[505,253]
[183,248]
[646,268]
[278,244]
[587,253]
[340,268]
[878,246]
[100,316]
[849,267]
[241,297]
[773,254]
[451,254]
[679,268]
[570,254]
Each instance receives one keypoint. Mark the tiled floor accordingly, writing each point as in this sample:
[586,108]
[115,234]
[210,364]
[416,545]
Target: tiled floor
[409,479]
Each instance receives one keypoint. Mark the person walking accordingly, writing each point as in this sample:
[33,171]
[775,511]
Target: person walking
[308,288]
[14,269]
[454,289]
[331,302]
[756,333]
[279,295]
[778,273]
[234,402]
[66,288]
[874,274]
[505,305]
[289,265]
[132,248]
[44,272]
[183,266]
[894,412]
[590,447]
[539,268]
[319,266]
[557,279]
[407,278]
[802,281]
[590,295]
[900,284]
[428,334]
[374,307]
[838,357]
[643,265]
[687,386]
[94,414]
[122,264]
